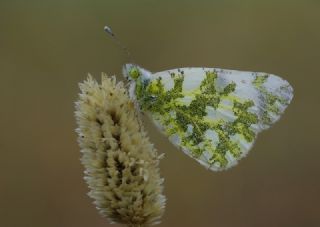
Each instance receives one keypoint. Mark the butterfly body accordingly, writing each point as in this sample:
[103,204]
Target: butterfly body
[213,115]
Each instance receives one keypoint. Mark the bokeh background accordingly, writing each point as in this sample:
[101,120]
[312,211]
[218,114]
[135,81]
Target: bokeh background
[48,47]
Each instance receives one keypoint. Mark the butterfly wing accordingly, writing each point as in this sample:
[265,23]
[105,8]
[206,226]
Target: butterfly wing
[214,115]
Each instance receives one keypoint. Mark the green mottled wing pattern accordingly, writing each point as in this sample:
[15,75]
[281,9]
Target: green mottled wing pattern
[213,115]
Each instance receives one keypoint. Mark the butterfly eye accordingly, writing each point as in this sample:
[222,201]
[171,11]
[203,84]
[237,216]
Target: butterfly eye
[134,73]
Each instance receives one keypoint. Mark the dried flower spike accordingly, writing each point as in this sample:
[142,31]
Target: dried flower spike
[121,165]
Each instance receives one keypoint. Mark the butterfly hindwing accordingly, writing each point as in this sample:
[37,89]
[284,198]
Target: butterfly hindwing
[213,115]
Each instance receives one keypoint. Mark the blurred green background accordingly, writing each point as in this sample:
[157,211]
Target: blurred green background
[48,47]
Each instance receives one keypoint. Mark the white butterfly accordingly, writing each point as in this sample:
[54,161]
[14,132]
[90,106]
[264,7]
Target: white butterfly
[213,115]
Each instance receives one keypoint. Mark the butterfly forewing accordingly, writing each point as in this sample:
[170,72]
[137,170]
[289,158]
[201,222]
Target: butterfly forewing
[213,115]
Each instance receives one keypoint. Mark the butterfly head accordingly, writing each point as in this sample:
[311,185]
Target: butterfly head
[134,72]
[131,71]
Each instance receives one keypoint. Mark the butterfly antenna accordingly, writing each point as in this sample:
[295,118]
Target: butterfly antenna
[108,30]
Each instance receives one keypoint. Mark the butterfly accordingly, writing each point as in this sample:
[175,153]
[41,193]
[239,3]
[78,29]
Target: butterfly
[213,115]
